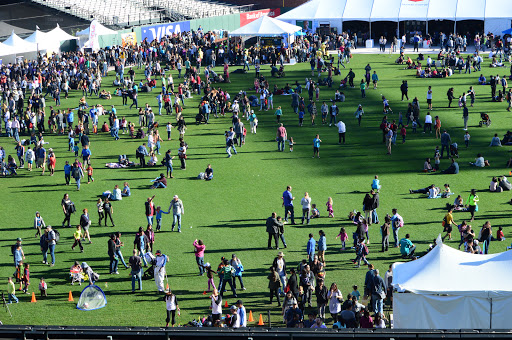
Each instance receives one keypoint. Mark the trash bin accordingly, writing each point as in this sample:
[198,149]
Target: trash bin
[369,43]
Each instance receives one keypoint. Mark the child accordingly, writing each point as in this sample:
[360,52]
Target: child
[291,142]
[376,183]
[209,274]
[76,149]
[71,146]
[301,117]
[168,128]
[89,174]
[446,191]
[400,119]
[316,146]
[43,287]
[78,235]
[11,291]
[361,252]
[356,292]
[158,216]
[343,237]
[375,79]
[101,214]
[329,207]
[403,133]
[437,161]
[500,235]
[124,125]
[414,125]
[26,278]
[314,211]
[467,137]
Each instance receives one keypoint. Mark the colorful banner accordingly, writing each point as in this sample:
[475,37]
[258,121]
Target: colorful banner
[307,25]
[248,17]
[128,39]
[158,31]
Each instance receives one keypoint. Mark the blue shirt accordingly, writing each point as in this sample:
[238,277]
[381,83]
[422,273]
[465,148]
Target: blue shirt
[322,243]
[405,245]
[71,117]
[41,152]
[316,142]
[287,198]
[311,246]
[67,169]
[128,192]
[114,111]
[86,153]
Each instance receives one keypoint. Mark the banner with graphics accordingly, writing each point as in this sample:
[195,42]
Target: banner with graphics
[128,39]
[158,31]
[248,17]
[307,25]
[413,10]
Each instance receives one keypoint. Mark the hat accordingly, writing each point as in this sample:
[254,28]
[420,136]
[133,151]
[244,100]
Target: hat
[280,253]
[252,111]
[207,264]
[239,302]
[233,307]
[19,239]
[158,252]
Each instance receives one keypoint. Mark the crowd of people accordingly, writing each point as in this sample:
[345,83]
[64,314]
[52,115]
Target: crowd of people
[27,118]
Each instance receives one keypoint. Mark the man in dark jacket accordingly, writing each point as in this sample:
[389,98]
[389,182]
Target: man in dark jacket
[293,283]
[378,292]
[273,230]
[375,206]
[445,143]
[111,253]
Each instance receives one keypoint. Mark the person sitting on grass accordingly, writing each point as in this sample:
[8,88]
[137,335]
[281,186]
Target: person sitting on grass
[160,182]
[479,161]
[407,248]
[452,169]
[208,173]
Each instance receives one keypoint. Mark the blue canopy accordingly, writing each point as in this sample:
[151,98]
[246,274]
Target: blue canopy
[509,31]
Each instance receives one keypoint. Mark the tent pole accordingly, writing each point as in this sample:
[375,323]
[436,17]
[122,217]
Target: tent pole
[455,27]
[370,37]
[490,319]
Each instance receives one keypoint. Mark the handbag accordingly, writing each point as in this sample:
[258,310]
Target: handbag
[382,295]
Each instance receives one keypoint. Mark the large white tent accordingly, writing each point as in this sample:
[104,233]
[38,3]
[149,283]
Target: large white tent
[19,45]
[450,289]
[7,54]
[496,14]
[43,41]
[58,34]
[265,26]
[99,28]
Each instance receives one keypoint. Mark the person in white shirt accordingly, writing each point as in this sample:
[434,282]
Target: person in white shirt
[306,207]
[428,123]
[160,273]
[341,131]
[234,320]
[429,98]
[172,306]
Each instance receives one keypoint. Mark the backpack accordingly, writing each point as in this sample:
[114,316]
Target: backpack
[71,208]
[365,250]
[57,236]
[76,172]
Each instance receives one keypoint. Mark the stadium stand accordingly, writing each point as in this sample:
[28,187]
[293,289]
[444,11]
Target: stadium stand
[130,12]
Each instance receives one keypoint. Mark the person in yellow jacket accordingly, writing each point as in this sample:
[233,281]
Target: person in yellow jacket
[473,203]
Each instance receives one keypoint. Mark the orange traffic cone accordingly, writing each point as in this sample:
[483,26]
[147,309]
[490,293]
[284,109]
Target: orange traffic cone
[167,286]
[226,304]
[260,323]
[204,293]
[251,319]
[33,297]
[70,297]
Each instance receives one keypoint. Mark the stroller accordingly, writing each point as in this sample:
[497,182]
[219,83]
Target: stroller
[151,260]
[454,150]
[485,120]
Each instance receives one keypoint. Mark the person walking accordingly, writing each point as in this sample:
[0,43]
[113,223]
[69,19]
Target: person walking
[465,116]
[359,115]
[227,272]
[273,230]
[341,130]
[114,260]
[177,210]
[172,306]
[396,223]
[281,136]
[378,292]
[473,203]
[445,143]
[288,204]
[199,248]
[135,262]
[160,273]
[109,211]
[306,207]
[385,233]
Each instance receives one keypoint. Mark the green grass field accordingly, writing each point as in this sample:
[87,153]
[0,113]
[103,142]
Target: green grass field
[229,212]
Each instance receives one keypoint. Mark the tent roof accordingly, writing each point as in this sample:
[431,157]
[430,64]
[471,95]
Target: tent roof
[316,10]
[6,49]
[446,270]
[358,10]
[265,26]
[19,45]
[441,9]
[38,37]
[497,9]
[414,10]
[6,29]
[59,34]
[100,30]
[385,10]
[470,10]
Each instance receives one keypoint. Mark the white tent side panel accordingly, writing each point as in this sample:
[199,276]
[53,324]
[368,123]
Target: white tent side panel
[358,10]
[442,10]
[414,10]
[497,25]
[316,10]
[501,311]
[470,10]
[416,311]
[385,10]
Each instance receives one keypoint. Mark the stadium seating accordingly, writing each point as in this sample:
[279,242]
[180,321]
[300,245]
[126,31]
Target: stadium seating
[131,12]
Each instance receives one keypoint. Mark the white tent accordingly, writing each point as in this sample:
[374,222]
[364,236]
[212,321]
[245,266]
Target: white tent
[318,11]
[385,10]
[19,45]
[7,54]
[42,41]
[470,10]
[265,26]
[58,34]
[450,289]
[99,28]
[441,10]
[358,10]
